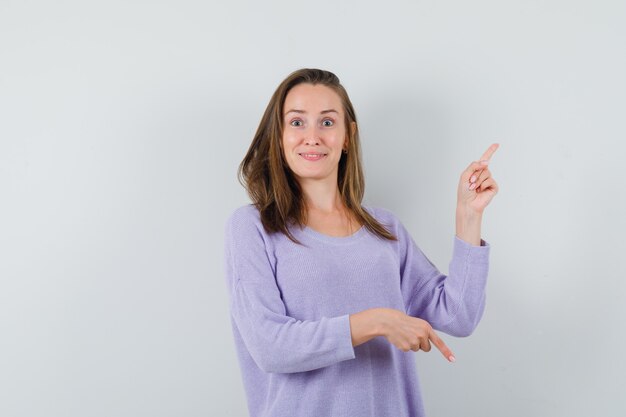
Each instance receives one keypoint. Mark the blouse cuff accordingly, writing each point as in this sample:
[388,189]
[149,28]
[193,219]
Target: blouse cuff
[473,253]
[345,350]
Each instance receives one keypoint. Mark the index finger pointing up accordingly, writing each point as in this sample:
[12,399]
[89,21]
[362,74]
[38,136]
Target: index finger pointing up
[489,152]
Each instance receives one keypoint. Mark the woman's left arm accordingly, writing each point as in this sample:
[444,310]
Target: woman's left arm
[454,303]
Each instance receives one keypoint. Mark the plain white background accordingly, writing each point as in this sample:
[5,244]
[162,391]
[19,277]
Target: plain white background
[121,127]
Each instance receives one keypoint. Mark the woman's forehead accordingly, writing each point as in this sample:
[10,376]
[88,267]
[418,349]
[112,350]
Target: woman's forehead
[309,98]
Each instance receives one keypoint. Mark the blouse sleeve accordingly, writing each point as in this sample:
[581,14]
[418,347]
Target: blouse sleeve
[276,342]
[453,304]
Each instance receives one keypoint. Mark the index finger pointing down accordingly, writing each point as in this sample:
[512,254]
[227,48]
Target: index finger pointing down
[445,350]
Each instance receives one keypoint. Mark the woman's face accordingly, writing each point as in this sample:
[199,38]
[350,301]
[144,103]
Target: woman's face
[314,132]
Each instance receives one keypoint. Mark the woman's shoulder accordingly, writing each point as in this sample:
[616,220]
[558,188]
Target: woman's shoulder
[247,211]
[244,217]
[391,222]
[382,214]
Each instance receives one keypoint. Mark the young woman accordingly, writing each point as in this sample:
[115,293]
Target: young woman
[329,299]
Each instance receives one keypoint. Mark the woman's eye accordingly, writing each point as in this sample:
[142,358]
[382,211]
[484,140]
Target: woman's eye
[328,123]
[296,123]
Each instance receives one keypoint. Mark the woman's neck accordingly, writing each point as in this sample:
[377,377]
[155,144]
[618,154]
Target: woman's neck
[326,211]
[322,196]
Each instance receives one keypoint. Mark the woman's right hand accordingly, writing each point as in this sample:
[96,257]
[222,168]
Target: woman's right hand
[409,333]
[403,331]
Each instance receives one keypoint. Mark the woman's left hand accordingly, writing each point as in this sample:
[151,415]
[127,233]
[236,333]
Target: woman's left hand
[477,187]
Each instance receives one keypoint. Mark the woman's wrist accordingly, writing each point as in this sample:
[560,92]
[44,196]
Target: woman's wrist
[366,325]
[468,224]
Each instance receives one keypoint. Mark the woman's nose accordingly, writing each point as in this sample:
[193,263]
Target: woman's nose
[312,137]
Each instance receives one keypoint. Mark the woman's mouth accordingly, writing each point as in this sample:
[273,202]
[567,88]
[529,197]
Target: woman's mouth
[312,156]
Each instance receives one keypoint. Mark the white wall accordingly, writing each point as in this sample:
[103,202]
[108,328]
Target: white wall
[121,127]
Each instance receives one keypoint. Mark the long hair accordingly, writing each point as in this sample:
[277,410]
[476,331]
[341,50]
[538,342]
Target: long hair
[271,184]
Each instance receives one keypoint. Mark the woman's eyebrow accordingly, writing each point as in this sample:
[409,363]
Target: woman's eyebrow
[302,111]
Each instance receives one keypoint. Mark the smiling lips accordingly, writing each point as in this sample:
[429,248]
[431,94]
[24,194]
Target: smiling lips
[312,156]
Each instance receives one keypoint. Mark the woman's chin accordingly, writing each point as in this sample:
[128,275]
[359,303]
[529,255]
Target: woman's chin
[307,175]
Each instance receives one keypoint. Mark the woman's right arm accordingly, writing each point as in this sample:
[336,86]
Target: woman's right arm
[403,331]
[277,342]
